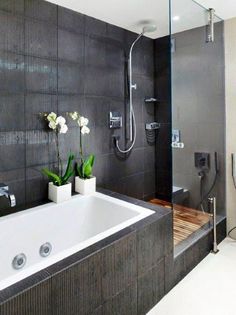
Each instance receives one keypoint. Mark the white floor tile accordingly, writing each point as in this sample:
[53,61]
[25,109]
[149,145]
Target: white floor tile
[209,289]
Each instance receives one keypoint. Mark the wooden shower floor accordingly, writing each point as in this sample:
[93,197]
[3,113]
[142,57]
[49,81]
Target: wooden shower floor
[186,220]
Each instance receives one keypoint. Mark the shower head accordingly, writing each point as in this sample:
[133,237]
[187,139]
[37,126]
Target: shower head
[149,28]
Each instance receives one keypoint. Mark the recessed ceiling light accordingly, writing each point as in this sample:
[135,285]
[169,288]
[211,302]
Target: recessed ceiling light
[176,18]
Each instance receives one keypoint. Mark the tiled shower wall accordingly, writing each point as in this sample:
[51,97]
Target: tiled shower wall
[53,59]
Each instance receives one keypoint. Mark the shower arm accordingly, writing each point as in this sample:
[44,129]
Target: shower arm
[131,87]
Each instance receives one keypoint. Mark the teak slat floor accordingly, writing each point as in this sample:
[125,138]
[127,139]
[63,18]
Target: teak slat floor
[186,220]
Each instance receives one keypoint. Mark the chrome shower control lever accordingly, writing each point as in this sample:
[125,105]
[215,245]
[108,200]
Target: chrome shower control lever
[134,86]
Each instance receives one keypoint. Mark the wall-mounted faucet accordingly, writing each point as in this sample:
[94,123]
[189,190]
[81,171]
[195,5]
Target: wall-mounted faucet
[4,191]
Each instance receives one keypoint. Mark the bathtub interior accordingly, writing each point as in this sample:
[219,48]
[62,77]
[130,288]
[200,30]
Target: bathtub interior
[68,227]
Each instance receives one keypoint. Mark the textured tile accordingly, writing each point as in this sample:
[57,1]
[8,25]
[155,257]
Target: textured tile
[70,46]
[13,6]
[123,303]
[70,78]
[35,106]
[115,55]
[95,27]
[116,34]
[151,288]
[97,108]
[149,182]
[69,142]
[95,52]
[11,73]
[142,63]
[77,290]
[35,301]
[71,103]
[36,184]
[96,81]
[12,146]
[12,33]
[118,266]
[40,147]
[151,242]
[41,10]
[15,179]
[133,185]
[71,20]
[176,272]
[10,105]
[40,39]
[41,75]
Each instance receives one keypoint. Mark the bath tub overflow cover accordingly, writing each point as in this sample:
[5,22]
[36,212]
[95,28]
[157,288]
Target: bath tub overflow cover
[19,261]
[45,250]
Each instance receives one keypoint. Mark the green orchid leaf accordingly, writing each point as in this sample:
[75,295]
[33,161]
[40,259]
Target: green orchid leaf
[52,176]
[69,169]
[88,166]
[79,170]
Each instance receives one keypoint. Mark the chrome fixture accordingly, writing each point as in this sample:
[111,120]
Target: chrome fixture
[4,191]
[19,261]
[45,249]
[212,208]
[133,86]
[115,120]
[150,100]
[152,126]
[210,28]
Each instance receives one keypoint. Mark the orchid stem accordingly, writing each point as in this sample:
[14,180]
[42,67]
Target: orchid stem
[59,161]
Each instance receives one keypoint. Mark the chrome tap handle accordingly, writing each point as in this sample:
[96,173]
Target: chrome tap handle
[12,200]
[4,192]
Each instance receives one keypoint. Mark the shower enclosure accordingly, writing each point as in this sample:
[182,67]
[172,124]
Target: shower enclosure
[198,117]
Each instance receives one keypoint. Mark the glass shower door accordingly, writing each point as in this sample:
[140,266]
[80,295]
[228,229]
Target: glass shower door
[197,88]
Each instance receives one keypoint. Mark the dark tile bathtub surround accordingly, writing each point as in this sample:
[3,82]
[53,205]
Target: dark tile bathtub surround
[122,274]
[126,273]
[54,59]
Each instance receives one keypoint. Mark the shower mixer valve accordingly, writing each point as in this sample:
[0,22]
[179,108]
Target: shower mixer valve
[115,120]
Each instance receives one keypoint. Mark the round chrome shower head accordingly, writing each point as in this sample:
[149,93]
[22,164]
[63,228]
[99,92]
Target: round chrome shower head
[149,28]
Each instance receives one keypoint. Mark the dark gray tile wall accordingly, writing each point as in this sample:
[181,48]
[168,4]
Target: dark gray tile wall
[54,59]
[199,109]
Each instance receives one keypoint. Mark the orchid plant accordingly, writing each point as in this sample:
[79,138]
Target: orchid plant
[59,126]
[85,167]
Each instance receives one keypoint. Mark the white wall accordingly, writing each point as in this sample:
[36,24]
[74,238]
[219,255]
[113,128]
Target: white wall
[230,94]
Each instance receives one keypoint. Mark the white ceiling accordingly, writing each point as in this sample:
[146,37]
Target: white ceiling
[133,14]
[226,9]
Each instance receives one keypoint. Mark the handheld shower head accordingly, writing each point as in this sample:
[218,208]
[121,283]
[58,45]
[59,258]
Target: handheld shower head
[149,28]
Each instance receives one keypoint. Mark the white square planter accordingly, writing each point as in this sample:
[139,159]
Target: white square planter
[59,193]
[85,186]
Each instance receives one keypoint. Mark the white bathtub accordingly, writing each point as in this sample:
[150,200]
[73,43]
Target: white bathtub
[69,227]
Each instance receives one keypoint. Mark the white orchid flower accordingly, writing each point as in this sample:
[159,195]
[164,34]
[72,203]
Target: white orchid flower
[85,130]
[63,128]
[52,125]
[52,117]
[74,115]
[82,121]
[60,121]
